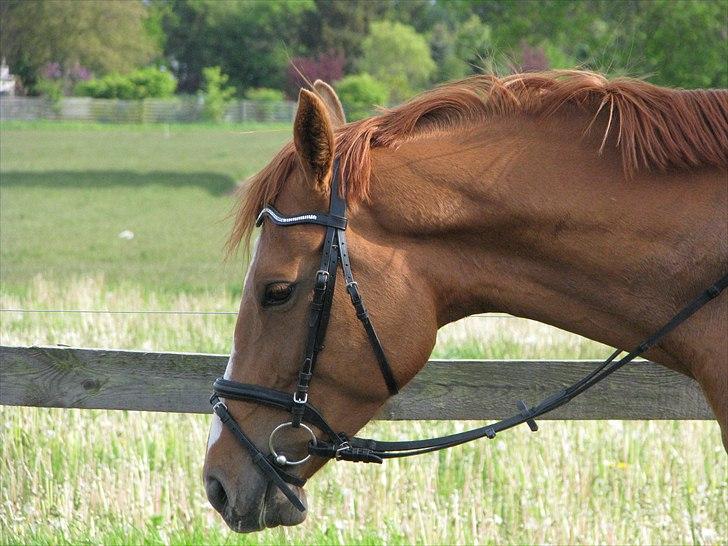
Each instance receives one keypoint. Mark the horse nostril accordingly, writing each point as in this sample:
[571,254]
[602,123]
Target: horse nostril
[216,494]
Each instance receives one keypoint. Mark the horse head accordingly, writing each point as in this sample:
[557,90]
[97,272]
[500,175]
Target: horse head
[273,323]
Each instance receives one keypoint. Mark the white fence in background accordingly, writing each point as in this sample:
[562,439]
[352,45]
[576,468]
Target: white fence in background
[174,110]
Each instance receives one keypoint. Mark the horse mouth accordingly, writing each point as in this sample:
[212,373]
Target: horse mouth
[272,510]
[278,510]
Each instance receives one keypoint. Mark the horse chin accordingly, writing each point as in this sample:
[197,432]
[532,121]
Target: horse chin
[278,510]
[274,510]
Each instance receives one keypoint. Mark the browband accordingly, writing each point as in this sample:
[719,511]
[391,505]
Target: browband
[320,218]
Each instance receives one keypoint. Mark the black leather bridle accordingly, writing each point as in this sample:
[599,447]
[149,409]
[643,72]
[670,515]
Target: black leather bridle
[336,444]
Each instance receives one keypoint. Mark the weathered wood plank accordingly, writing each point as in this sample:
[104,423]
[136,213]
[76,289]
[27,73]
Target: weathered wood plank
[457,389]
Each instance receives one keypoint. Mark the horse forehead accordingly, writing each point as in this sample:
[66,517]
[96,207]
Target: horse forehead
[287,243]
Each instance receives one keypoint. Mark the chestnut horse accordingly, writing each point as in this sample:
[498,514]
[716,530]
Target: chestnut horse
[596,206]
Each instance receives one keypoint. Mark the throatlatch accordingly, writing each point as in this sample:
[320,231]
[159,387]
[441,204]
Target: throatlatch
[336,444]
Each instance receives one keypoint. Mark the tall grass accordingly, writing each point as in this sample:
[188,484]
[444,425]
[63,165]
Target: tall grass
[77,477]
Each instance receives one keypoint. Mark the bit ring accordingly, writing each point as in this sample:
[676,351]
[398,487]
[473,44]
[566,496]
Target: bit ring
[281,459]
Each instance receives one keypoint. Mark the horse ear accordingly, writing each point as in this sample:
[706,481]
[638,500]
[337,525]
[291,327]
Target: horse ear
[313,137]
[332,102]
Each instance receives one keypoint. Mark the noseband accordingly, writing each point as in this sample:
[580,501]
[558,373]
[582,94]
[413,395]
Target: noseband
[337,445]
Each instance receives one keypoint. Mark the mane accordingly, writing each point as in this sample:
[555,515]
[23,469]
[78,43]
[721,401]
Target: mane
[655,128]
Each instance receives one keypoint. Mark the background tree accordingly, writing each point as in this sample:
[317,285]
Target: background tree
[449,66]
[671,43]
[683,45]
[251,41]
[359,94]
[399,57]
[474,44]
[335,26]
[101,36]
[407,45]
[422,15]
[461,48]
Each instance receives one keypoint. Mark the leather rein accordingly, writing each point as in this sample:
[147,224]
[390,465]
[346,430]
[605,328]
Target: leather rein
[337,445]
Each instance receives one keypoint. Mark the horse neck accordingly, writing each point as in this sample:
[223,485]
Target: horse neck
[525,217]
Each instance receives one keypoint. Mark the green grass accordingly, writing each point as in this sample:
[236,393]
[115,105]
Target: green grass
[90,477]
[68,191]
[71,476]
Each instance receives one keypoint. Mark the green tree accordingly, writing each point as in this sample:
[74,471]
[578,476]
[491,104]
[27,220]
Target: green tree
[671,43]
[250,40]
[216,92]
[684,45]
[335,26]
[399,57]
[422,15]
[473,44]
[442,47]
[359,94]
[461,48]
[102,36]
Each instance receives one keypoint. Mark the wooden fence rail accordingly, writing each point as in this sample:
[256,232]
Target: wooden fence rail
[65,377]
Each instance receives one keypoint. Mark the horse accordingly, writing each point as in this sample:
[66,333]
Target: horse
[596,205]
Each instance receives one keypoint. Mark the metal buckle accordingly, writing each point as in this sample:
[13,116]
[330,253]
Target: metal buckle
[353,289]
[217,405]
[325,274]
[302,400]
[281,459]
[342,447]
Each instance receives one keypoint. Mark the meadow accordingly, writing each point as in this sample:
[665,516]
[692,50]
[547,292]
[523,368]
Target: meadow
[67,192]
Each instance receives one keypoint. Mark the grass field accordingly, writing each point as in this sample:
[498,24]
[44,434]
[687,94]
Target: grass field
[70,476]
[68,192]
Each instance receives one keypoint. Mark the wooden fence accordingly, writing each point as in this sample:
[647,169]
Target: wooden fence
[65,377]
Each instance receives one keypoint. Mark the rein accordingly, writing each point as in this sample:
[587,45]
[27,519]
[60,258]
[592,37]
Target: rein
[337,445]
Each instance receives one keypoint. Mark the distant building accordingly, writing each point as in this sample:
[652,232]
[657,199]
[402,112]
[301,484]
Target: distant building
[7,81]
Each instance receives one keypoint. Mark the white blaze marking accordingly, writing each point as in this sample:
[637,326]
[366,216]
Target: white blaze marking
[215,431]
[229,368]
[216,426]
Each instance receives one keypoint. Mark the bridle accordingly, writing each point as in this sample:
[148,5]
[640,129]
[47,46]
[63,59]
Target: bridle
[337,445]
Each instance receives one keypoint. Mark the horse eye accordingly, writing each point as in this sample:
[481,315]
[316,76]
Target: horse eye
[277,293]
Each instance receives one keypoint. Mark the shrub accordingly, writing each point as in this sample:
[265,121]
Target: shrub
[216,92]
[266,100]
[153,83]
[88,88]
[264,94]
[141,84]
[111,86]
[52,91]
[359,93]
